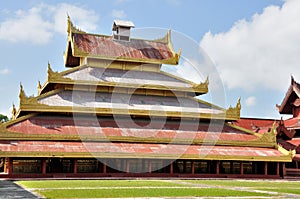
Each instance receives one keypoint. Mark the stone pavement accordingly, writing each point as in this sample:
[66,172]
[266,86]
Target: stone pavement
[10,190]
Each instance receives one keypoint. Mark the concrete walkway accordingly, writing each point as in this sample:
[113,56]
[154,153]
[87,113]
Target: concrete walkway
[10,190]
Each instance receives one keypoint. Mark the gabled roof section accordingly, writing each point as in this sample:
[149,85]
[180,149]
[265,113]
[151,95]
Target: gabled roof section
[76,101]
[134,79]
[82,44]
[291,96]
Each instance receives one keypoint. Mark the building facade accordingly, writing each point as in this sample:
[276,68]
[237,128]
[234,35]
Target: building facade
[114,112]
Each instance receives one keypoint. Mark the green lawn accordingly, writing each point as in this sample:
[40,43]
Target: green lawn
[159,188]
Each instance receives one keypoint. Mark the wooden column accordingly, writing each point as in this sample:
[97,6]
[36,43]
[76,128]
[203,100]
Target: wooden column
[127,162]
[277,169]
[171,168]
[104,166]
[266,168]
[193,168]
[9,166]
[283,169]
[217,167]
[75,166]
[5,165]
[241,168]
[44,166]
[150,166]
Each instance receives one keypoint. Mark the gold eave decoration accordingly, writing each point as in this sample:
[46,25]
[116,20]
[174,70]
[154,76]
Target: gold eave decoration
[233,113]
[202,87]
[283,158]
[24,99]
[71,28]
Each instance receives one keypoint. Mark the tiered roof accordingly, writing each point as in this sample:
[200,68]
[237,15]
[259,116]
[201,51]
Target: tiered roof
[75,110]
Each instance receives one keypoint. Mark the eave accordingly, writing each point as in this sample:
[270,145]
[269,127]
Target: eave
[58,78]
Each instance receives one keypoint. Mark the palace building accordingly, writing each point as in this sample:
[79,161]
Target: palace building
[114,113]
[288,131]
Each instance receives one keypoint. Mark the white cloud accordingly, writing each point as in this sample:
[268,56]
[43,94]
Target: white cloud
[250,101]
[26,26]
[262,52]
[4,71]
[38,24]
[85,19]
[118,14]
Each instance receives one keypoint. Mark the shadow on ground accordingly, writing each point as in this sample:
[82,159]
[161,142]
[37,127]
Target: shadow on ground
[8,189]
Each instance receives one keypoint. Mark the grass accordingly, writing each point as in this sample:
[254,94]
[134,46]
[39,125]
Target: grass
[159,188]
[145,192]
[40,184]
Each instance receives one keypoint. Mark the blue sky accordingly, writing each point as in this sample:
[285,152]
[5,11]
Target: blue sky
[254,44]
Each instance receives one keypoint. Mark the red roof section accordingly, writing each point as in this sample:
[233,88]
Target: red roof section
[107,47]
[292,123]
[134,149]
[126,127]
[255,124]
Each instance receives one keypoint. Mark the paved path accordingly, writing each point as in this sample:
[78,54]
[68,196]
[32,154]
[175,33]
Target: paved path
[10,190]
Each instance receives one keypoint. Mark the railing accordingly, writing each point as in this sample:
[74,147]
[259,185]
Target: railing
[292,172]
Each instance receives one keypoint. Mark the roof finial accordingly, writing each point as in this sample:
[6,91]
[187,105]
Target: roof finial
[13,111]
[69,24]
[49,70]
[22,94]
[292,80]
[39,87]
[238,105]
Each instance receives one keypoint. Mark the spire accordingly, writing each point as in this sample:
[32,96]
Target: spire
[49,70]
[22,94]
[39,87]
[13,111]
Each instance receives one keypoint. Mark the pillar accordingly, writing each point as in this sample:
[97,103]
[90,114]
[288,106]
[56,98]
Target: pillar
[150,166]
[104,166]
[193,167]
[44,166]
[277,169]
[266,168]
[217,167]
[242,168]
[127,162]
[9,166]
[171,168]
[283,169]
[75,166]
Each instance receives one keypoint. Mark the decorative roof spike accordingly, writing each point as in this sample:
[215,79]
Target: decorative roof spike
[22,94]
[13,111]
[49,71]
[165,39]
[292,80]
[238,105]
[69,24]
[71,28]
[234,112]
[39,87]
[202,86]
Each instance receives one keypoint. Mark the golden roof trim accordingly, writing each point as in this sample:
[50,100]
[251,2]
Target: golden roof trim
[234,112]
[283,158]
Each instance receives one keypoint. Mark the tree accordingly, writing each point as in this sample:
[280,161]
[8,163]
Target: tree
[3,118]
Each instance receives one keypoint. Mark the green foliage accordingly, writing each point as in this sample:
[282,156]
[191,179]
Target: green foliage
[3,118]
